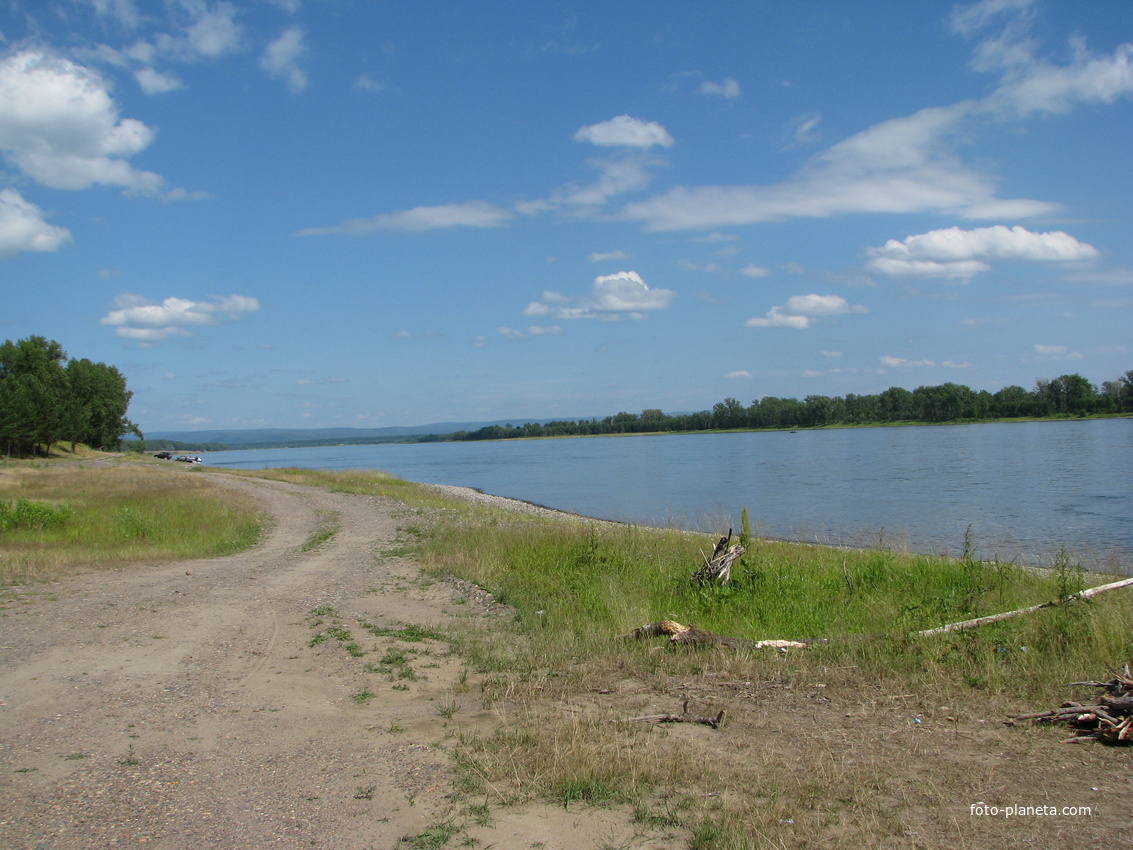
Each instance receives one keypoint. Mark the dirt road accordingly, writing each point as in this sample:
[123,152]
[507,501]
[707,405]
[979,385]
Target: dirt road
[184,705]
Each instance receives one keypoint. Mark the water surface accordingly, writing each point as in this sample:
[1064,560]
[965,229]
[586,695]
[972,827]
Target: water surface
[1025,489]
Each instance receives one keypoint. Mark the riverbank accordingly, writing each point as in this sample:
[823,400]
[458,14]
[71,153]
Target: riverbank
[283,693]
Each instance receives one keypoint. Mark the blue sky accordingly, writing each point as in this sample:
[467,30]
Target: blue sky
[310,213]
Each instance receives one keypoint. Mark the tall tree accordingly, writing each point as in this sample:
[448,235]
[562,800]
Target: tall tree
[33,389]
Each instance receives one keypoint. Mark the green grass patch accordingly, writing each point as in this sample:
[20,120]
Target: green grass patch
[58,520]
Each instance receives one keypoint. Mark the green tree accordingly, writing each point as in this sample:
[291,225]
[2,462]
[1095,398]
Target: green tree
[97,400]
[33,389]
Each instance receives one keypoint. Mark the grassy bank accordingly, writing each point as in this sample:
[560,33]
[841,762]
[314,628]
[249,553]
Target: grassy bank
[872,737]
[864,740]
[63,518]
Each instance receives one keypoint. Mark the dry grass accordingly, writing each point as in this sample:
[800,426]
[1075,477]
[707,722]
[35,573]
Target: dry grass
[125,514]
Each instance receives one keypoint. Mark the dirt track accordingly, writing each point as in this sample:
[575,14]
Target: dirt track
[181,705]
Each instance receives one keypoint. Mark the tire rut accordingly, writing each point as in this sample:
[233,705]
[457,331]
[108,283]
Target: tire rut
[183,705]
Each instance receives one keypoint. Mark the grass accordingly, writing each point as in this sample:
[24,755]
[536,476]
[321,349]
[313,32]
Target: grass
[322,535]
[58,519]
[810,778]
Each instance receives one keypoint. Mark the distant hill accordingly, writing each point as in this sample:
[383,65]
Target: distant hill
[307,436]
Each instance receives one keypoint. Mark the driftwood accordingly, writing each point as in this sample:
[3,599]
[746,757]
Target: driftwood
[994,618]
[692,636]
[1109,720]
[714,722]
[718,568]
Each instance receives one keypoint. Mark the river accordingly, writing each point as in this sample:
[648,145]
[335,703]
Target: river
[1026,490]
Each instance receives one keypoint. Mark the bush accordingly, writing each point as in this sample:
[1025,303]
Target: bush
[26,514]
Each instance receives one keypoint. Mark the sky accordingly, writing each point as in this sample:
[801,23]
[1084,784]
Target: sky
[361,213]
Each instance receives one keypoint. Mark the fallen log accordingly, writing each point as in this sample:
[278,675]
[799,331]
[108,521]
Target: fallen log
[994,618]
[692,636]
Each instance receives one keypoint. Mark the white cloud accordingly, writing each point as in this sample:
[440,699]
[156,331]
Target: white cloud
[22,227]
[625,131]
[752,270]
[153,82]
[615,177]
[59,125]
[901,362]
[124,12]
[281,59]
[960,254]
[804,128]
[909,164]
[613,297]
[366,82]
[899,166]
[742,373]
[1050,350]
[468,214]
[830,353]
[800,309]
[532,330]
[147,322]
[602,257]
[728,88]
[215,31]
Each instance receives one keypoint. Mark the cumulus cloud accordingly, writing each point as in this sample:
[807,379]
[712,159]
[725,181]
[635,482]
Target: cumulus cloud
[22,227]
[752,270]
[800,309]
[149,323]
[613,297]
[728,88]
[959,254]
[468,214]
[625,131]
[60,126]
[281,59]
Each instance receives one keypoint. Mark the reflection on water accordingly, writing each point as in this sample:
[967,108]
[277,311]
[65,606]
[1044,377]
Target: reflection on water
[1026,489]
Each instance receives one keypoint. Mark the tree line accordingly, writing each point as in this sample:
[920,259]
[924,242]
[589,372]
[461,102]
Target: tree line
[1065,396]
[47,398]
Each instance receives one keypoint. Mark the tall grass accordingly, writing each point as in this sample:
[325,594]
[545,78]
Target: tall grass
[575,586]
[111,517]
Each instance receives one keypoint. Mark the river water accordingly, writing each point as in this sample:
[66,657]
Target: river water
[1026,490]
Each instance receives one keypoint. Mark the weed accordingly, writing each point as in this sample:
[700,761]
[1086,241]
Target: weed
[365,792]
[322,535]
[25,514]
[434,837]
[129,760]
[363,697]
[449,706]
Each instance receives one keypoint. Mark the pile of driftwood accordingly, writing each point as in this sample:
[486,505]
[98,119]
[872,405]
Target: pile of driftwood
[718,568]
[1109,720]
[681,635]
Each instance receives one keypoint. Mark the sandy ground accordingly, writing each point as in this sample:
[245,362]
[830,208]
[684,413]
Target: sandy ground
[182,705]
